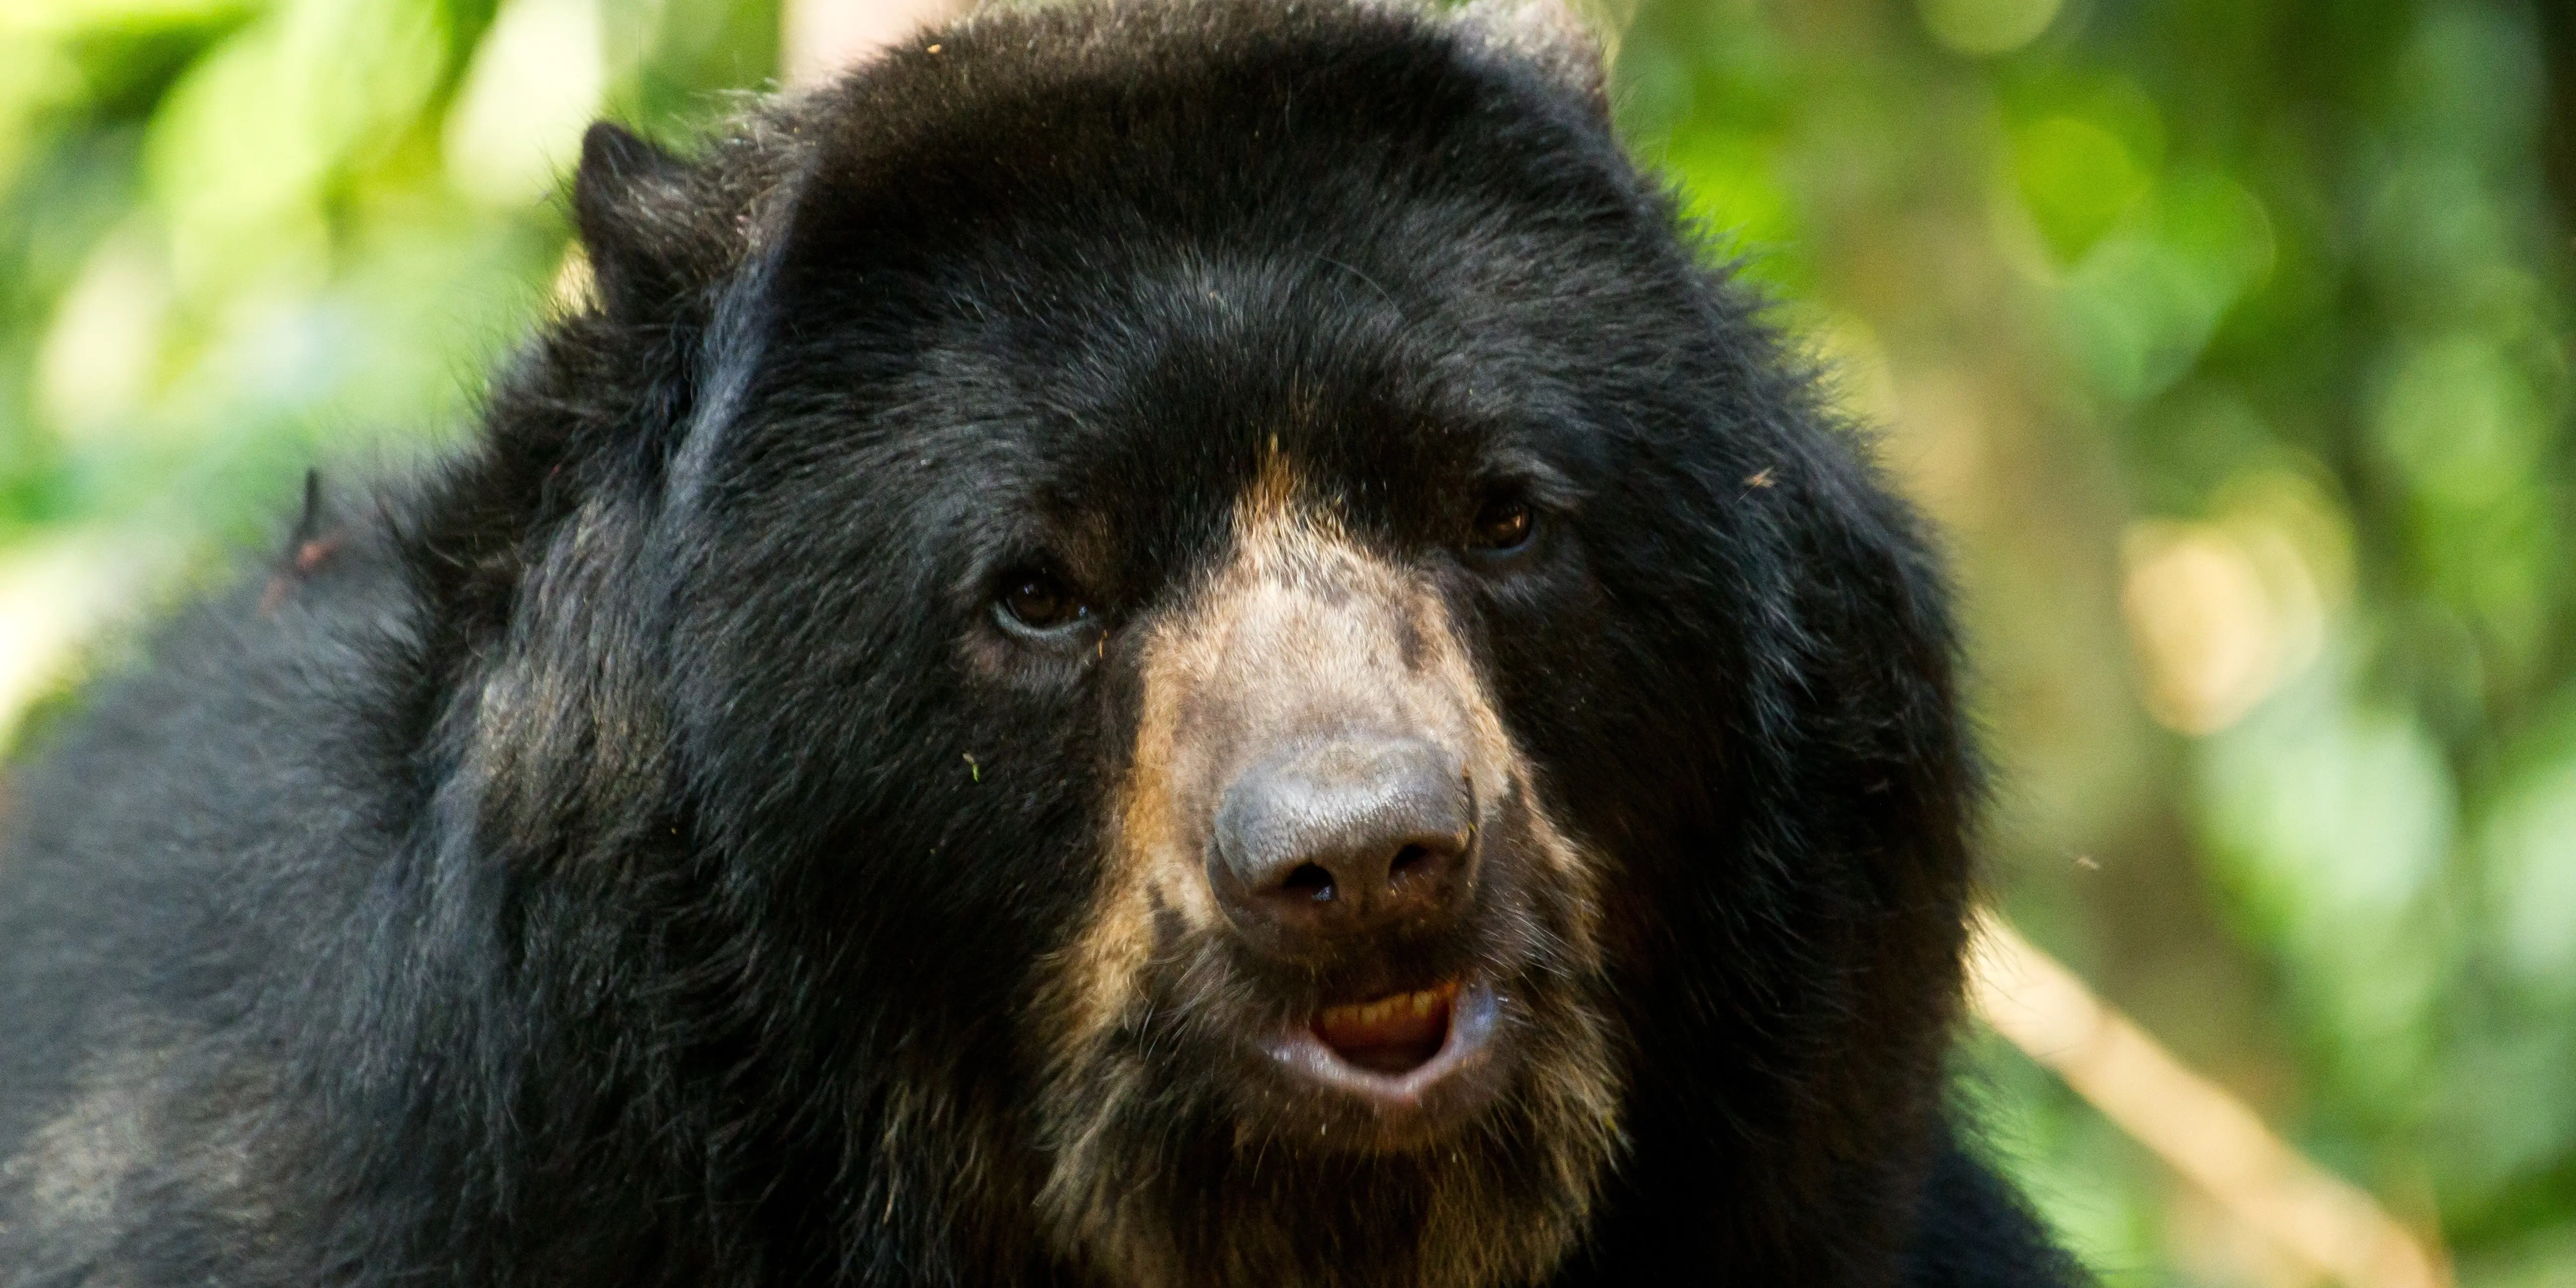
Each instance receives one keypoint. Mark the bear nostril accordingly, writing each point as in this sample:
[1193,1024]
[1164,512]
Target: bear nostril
[1407,859]
[1313,880]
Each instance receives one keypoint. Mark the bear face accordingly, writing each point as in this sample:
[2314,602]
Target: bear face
[1233,492]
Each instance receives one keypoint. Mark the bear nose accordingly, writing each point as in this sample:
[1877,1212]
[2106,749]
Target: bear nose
[1338,839]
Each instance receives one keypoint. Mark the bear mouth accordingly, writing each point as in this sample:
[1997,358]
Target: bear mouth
[1404,1055]
[1393,1035]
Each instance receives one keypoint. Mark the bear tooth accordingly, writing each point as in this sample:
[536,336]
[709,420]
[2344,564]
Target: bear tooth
[1398,1007]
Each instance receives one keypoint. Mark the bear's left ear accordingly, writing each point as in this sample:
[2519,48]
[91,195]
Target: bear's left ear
[1548,35]
[632,203]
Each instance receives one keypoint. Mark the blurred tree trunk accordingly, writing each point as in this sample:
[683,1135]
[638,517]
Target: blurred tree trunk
[2558,128]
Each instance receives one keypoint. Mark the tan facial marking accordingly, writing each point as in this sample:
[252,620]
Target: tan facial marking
[1303,633]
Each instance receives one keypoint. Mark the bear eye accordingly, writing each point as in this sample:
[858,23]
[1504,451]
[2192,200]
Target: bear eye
[1502,527]
[1037,601]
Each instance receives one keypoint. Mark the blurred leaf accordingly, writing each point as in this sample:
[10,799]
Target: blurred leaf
[534,86]
[242,154]
[2077,178]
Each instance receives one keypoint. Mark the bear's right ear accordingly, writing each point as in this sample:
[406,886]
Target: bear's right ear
[631,203]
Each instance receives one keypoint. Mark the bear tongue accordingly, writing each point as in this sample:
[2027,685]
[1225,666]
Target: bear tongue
[1392,1034]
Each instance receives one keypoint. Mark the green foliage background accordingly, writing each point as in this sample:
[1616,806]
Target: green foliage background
[2228,339]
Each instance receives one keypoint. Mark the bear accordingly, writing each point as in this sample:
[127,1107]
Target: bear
[1142,644]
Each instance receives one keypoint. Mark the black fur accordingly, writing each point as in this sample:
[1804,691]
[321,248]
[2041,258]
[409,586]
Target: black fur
[623,854]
